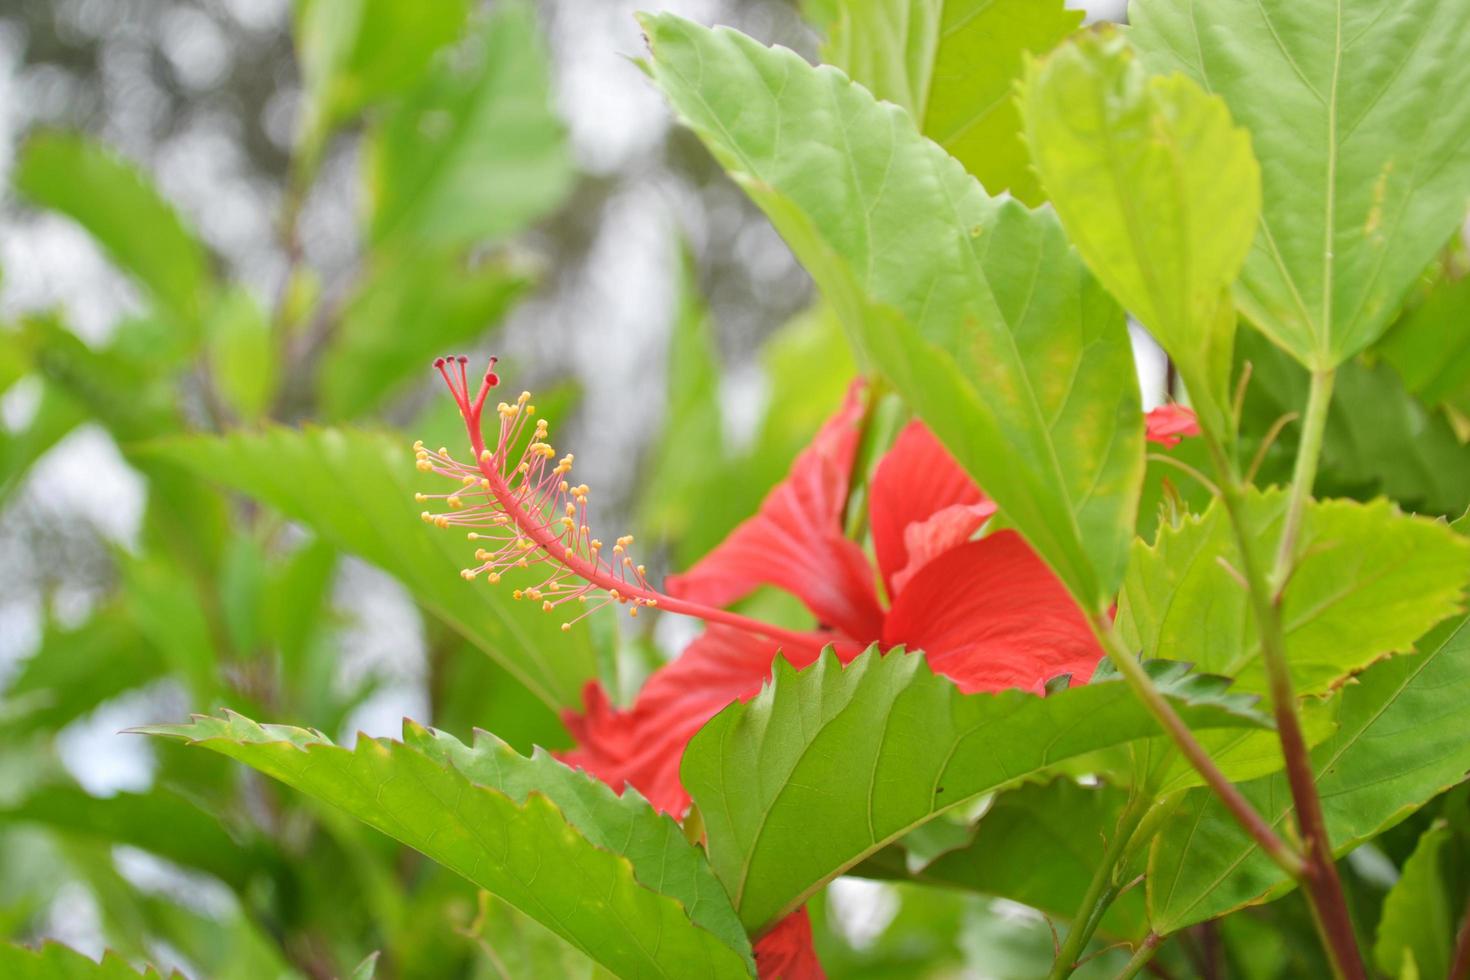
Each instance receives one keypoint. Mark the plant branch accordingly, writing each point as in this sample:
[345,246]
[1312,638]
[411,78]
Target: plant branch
[1143,688]
[1319,877]
[1460,965]
[1141,956]
[1101,891]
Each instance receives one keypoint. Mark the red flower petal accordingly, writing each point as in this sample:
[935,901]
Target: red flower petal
[915,481]
[945,529]
[1168,424]
[643,745]
[796,541]
[991,615]
[786,952]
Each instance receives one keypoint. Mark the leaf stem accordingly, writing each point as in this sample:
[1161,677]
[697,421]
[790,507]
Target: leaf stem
[1101,891]
[1319,876]
[1141,956]
[1143,688]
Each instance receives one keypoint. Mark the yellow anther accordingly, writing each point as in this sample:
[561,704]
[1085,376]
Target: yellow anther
[424,465]
[625,540]
[650,602]
[524,397]
[443,450]
[617,549]
[571,510]
[523,563]
[641,569]
[546,606]
[523,469]
[455,503]
[516,594]
[530,409]
[486,455]
[427,517]
[467,574]
[525,544]
[420,497]
[418,445]
[484,483]
[473,536]
[633,611]
[468,481]
[481,554]
[566,627]
[442,520]
[493,578]
[568,553]
[615,595]
[596,544]
[563,489]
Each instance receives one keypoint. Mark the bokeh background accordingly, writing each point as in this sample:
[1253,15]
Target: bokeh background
[206,98]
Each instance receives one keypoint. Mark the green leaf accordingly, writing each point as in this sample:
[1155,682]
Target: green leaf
[1038,844]
[1371,581]
[976,308]
[242,355]
[53,961]
[953,65]
[1354,112]
[356,489]
[121,209]
[1380,439]
[474,152]
[415,306]
[1158,190]
[356,52]
[158,820]
[608,874]
[1403,737]
[1421,913]
[625,824]
[1430,345]
[73,671]
[688,458]
[871,751]
[367,969]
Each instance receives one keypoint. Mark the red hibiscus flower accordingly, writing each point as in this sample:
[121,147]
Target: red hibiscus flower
[987,612]
[1168,424]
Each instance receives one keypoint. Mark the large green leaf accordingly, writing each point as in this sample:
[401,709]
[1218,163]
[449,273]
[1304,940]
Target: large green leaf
[1371,582]
[73,671]
[1038,844]
[1158,190]
[1381,440]
[53,961]
[1416,933]
[1430,345]
[1403,737]
[474,152]
[869,752]
[953,65]
[115,202]
[608,874]
[976,308]
[413,307]
[356,52]
[687,461]
[159,820]
[356,490]
[1353,108]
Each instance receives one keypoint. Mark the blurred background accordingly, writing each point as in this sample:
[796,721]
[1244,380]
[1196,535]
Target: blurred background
[223,215]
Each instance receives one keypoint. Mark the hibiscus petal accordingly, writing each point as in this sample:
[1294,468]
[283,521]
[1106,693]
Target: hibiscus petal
[949,528]
[991,615]
[787,953]
[796,542]
[1168,424]
[915,481]
[643,745]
